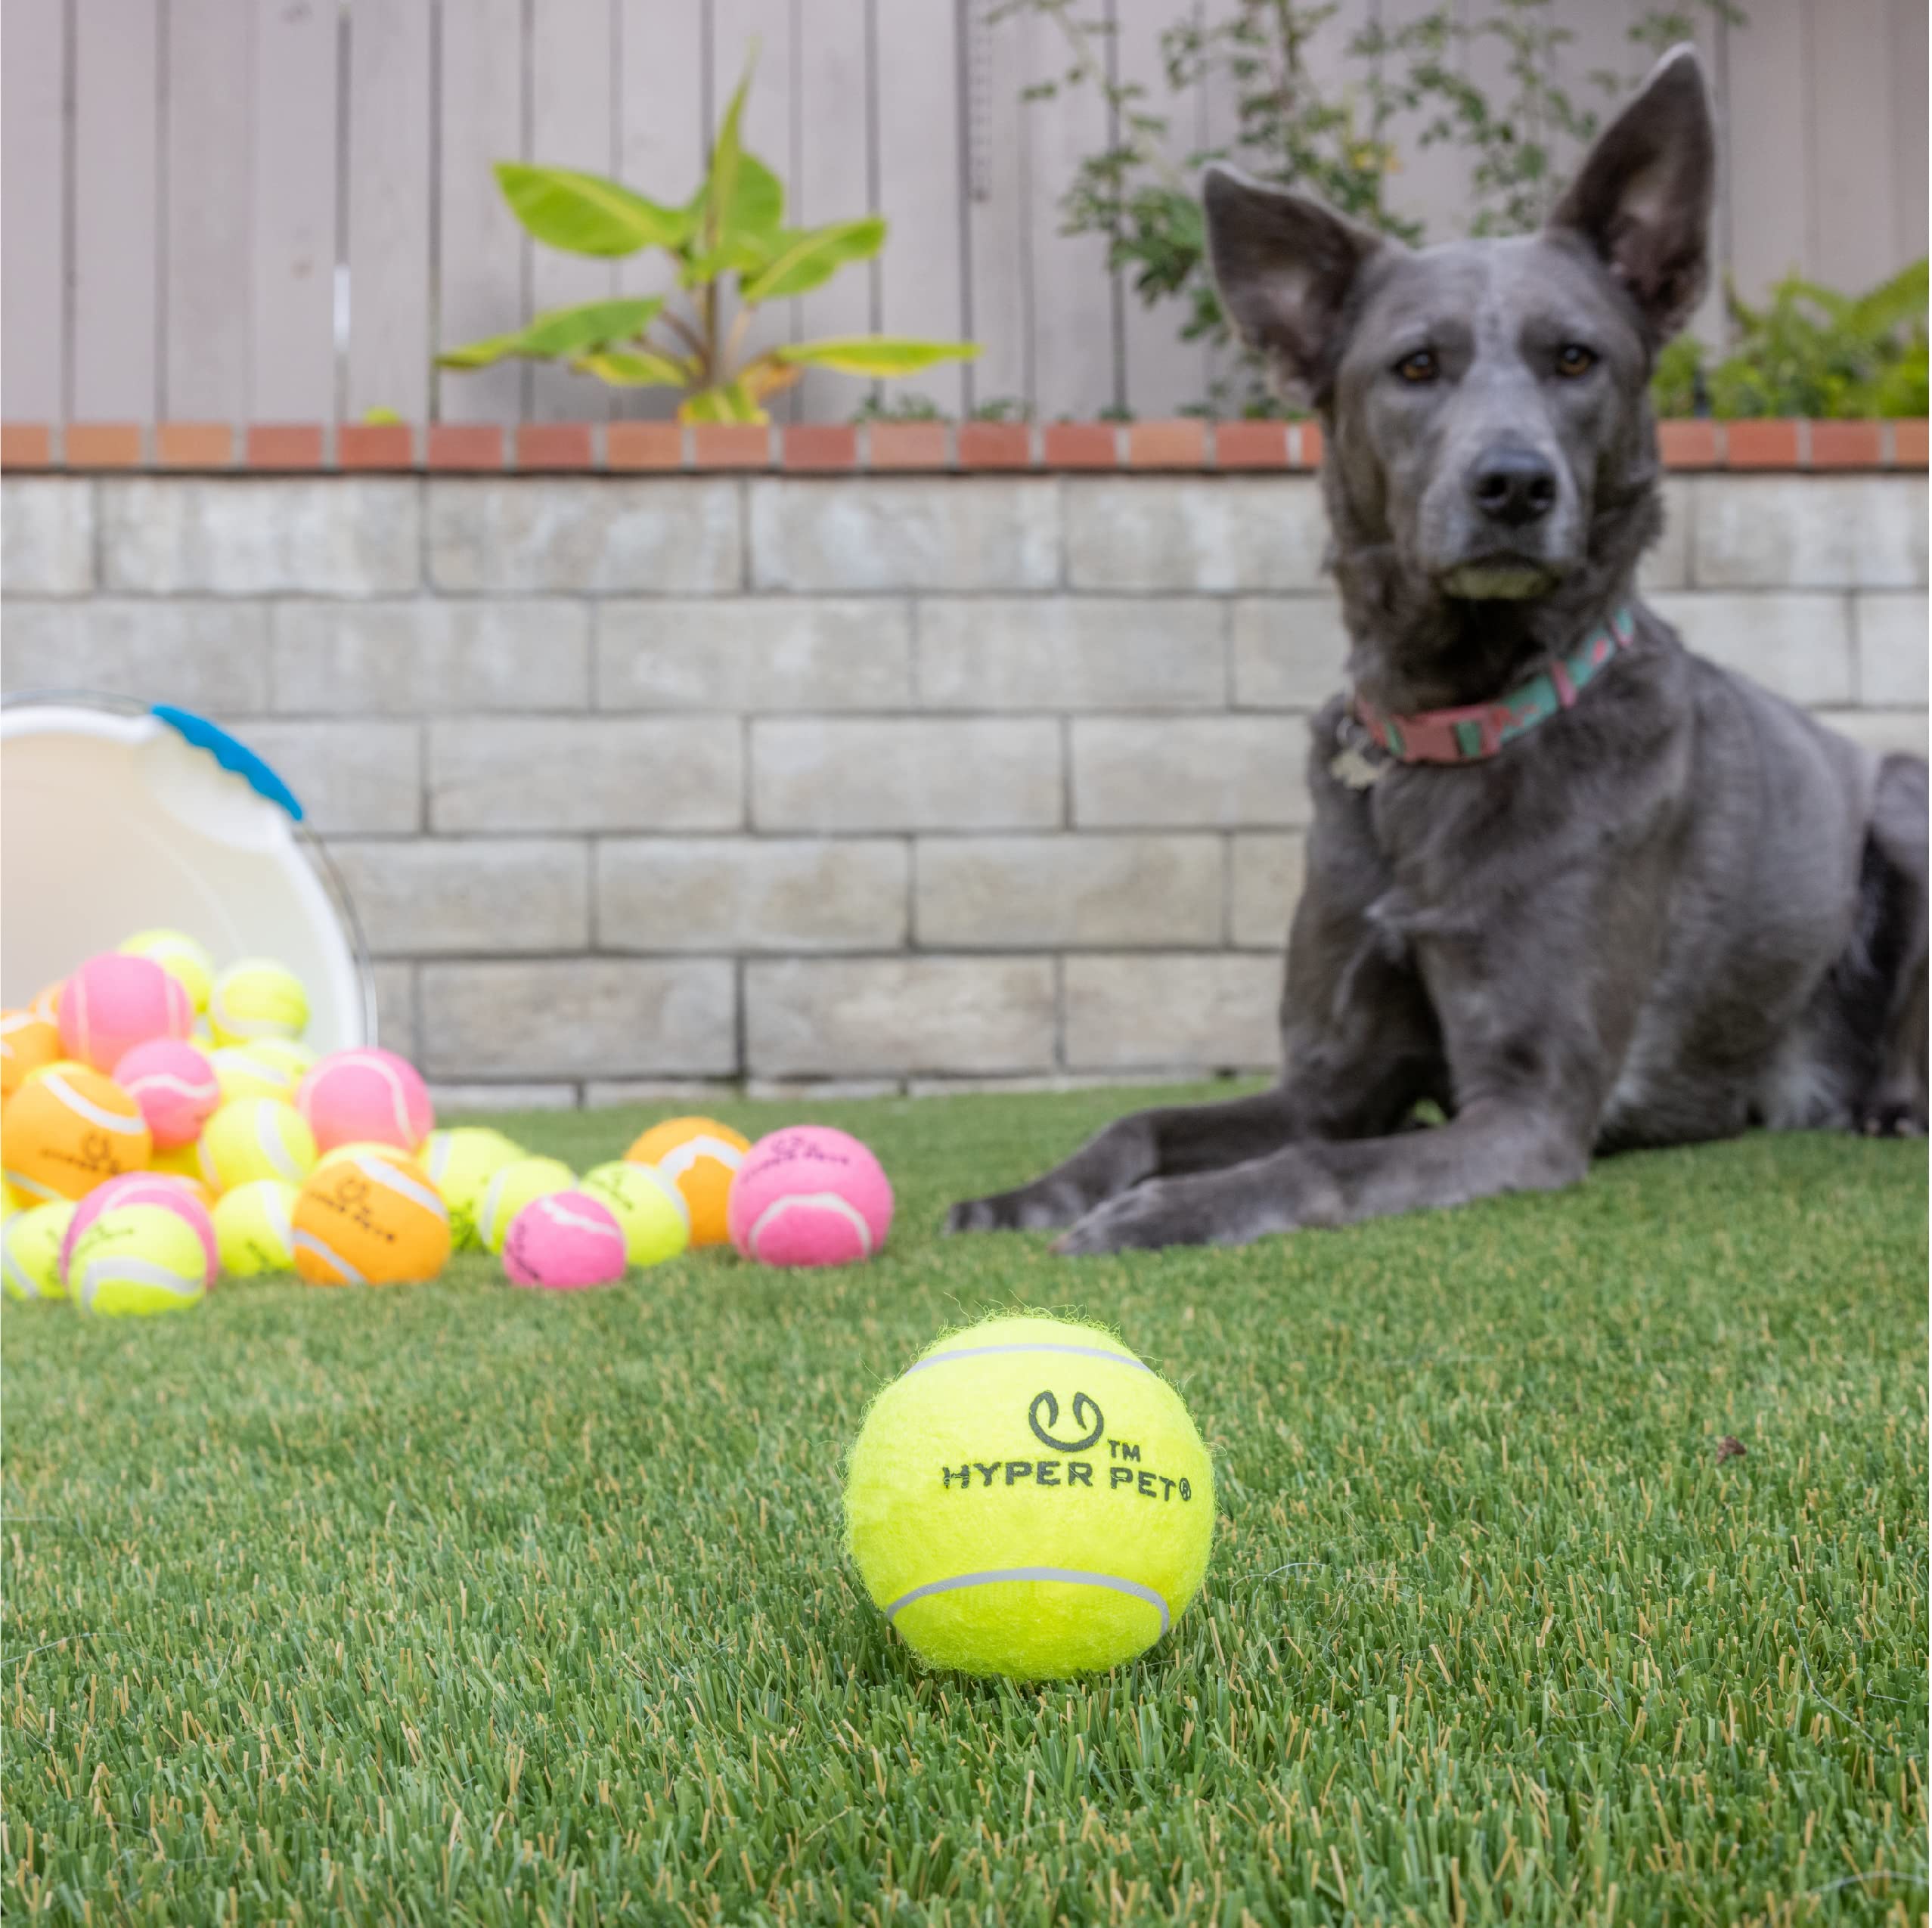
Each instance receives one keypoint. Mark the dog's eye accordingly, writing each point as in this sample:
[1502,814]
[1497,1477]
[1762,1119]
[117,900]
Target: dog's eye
[1420,367]
[1574,359]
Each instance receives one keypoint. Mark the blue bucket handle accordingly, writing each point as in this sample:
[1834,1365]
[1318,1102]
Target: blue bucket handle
[230,754]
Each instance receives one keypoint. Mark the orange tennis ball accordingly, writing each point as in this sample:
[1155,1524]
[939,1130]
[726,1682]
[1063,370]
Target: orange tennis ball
[699,1157]
[27,1040]
[66,1130]
[369,1218]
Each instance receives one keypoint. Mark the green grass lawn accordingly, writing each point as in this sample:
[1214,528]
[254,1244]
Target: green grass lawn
[456,1602]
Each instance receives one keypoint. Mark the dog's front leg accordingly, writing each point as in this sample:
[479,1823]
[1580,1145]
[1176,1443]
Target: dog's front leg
[1498,1145]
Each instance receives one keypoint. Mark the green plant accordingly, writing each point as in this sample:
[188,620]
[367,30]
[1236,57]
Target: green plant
[1809,351]
[731,253]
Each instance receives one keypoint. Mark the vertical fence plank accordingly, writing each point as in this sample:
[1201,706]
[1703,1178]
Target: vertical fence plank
[1164,374]
[571,43]
[205,325]
[116,265]
[919,274]
[661,142]
[480,252]
[292,358]
[1000,261]
[1771,217]
[33,224]
[1908,130]
[389,208]
[834,120]
[1850,96]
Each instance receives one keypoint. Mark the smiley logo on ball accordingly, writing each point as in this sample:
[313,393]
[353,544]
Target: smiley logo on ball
[1085,1413]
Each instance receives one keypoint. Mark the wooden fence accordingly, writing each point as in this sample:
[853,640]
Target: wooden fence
[277,209]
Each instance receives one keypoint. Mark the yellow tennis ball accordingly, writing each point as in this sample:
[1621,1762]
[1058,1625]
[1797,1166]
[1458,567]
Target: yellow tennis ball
[264,1067]
[67,1129]
[656,1222]
[30,1251]
[252,1138]
[183,959]
[135,1260]
[254,1228]
[512,1188]
[461,1162]
[699,1155]
[183,1161]
[370,1218]
[1028,1499]
[255,998]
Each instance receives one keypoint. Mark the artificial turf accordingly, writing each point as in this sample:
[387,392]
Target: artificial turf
[454,1603]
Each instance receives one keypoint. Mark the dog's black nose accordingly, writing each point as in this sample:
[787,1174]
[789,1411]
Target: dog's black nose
[1513,486]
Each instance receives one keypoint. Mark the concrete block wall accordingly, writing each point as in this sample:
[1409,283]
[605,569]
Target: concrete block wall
[644,783]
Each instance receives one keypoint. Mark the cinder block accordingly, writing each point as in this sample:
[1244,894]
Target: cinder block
[910,773]
[1021,893]
[426,656]
[454,1103]
[1195,532]
[459,896]
[1883,731]
[46,535]
[602,1018]
[396,1008]
[1855,531]
[751,893]
[1891,639]
[1064,652]
[1219,1012]
[1799,645]
[699,1093]
[586,773]
[348,777]
[1666,563]
[1264,881]
[1223,772]
[175,535]
[905,532]
[204,655]
[1291,653]
[850,1017]
[667,535]
[765,653]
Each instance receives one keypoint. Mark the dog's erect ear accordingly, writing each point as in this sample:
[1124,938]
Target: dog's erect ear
[1284,265]
[1642,200]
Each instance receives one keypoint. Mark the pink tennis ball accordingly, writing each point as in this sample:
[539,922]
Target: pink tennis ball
[564,1241]
[809,1195]
[113,1002]
[175,1087]
[367,1097]
[145,1188]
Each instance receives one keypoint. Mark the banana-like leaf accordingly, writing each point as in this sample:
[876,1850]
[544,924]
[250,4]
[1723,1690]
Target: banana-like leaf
[636,368]
[739,253]
[732,401]
[805,258]
[586,214]
[561,331]
[763,377]
[881,355]
[757,205]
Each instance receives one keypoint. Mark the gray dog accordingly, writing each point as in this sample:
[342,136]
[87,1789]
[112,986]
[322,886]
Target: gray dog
[1580,888]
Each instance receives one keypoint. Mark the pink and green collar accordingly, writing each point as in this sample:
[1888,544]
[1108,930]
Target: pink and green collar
[1477,730]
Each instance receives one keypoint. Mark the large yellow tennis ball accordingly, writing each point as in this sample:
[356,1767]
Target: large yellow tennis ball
[257,998]
[254,1228]
[177,954]
[134,1260]
[371,1218]
[1028,1499]
[699,1156]
[512,1188]
[67,1129]
[30,1251]
[264,1067]
[461,1162]
[649,1207]
[252,1138]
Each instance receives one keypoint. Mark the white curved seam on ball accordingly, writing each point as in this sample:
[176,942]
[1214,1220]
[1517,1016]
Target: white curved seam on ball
[141,1272]
[829,1201]
[167,1081]
[681,1158]
[307,1241]
[44,1193]
[1026,1346]
[669,1187]
[95,1114]
[1071,1576]
[384,1173]
[275,1150]
[12,1267]
[279,1222]
[564,1215]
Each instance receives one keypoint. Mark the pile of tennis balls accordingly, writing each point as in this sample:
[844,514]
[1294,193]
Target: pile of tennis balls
[162,1125]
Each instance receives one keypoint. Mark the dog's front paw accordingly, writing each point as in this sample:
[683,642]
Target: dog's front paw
[1032,1208]
[1161,1212]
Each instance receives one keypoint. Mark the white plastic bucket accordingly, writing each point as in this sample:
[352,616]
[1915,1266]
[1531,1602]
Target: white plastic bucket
[116,818]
